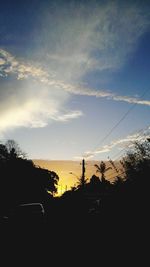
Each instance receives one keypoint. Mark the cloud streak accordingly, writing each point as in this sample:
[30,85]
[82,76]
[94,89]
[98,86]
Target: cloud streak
[91,37]
[76,40]
[30,100]
[120,143]
[23,71]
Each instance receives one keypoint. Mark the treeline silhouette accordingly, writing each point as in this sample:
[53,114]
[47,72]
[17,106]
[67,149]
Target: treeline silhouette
[21,181]
[121,202]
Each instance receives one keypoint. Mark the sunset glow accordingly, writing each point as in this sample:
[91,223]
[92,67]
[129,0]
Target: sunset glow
[74,77]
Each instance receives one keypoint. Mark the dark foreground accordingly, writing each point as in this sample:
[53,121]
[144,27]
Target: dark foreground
[71,235]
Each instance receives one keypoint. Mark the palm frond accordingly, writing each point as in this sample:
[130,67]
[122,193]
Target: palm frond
[96,166]
[107,169]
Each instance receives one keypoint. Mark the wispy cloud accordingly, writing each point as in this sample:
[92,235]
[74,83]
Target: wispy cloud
[10,65]
[91,37]
[119,143]
[68,116]
[27,70]
[29,116]
[31,100]
[77,39]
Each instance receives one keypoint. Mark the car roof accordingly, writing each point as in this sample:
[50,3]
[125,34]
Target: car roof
[30,206]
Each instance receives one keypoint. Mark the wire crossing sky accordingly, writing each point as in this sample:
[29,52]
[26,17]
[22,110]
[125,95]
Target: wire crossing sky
[69,70]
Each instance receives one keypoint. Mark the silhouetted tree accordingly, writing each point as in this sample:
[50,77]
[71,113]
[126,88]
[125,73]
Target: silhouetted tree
[136,163]
[94,186]
[82,180]
[14,150]
[102,169]
[133,194]
[95,180]
[22,181]
[118,181]
[3,153]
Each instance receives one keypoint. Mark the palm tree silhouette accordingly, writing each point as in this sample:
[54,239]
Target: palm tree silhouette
[101,168]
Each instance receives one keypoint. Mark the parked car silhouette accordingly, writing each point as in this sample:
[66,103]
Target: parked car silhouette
[28,212]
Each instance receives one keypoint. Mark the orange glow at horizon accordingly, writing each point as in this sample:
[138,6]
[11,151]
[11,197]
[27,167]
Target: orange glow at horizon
[69,171]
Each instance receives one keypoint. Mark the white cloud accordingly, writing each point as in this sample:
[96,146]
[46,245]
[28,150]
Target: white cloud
[90,37]
[39,97]
[120,143]
[77,40]
[68,116]
[28,70]
[2,61]
[31,104]
[30,116]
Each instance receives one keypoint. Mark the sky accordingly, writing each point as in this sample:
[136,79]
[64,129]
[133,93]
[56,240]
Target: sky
[74,77]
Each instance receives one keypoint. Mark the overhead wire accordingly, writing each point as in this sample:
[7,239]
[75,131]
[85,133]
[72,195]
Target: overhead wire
[125,147]
[118,123]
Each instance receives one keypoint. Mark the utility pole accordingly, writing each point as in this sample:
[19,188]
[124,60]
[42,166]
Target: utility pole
[81,179]
[83,173]
[83,168]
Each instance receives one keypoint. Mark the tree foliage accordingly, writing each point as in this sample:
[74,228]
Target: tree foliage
[136,164]
[20,179]
[102,169]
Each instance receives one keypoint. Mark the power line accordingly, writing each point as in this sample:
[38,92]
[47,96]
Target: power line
[122,118]
[117,171]
[125,147]
[110,176]
[139,133]
[117,175]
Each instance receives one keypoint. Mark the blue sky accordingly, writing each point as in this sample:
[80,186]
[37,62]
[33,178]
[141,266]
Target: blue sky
[69,71]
